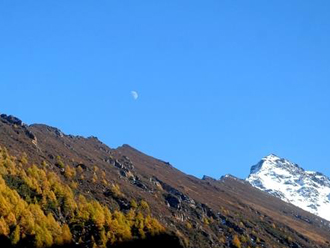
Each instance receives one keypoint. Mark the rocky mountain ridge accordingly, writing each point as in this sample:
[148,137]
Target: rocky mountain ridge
[199,212]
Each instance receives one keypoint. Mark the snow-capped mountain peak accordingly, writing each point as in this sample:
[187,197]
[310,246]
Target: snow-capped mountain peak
[308,190]
[272,162]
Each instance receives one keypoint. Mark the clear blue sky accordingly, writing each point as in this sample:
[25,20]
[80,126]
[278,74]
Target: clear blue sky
[221,83]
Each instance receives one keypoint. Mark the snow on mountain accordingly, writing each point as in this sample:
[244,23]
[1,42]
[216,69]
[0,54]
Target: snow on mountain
[306,189]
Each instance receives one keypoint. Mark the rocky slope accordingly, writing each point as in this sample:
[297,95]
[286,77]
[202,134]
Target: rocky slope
[306,189]
[199,212]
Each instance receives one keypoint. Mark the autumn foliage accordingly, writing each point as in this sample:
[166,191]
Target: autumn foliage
[38,209]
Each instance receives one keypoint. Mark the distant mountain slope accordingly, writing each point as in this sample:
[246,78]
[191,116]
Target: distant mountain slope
[200,213]
[306,189]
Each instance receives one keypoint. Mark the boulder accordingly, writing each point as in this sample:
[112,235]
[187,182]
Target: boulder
[173,201]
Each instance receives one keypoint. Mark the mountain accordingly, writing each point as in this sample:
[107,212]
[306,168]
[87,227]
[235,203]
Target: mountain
[59,189]
[281,178]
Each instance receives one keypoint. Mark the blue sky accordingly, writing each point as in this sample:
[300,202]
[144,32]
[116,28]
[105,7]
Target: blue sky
[221,83]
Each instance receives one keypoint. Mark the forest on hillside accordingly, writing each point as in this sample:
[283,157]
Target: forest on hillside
[38,209]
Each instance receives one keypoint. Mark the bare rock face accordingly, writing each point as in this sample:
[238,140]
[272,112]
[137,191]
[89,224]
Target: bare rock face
[173,201]
[17,124]
[12,120]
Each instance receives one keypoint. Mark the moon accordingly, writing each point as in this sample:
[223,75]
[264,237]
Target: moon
[134,94]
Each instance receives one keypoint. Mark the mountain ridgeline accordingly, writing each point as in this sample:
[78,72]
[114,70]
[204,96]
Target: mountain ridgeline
[59,190]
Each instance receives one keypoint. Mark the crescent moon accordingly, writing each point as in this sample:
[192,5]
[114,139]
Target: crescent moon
[134,94]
